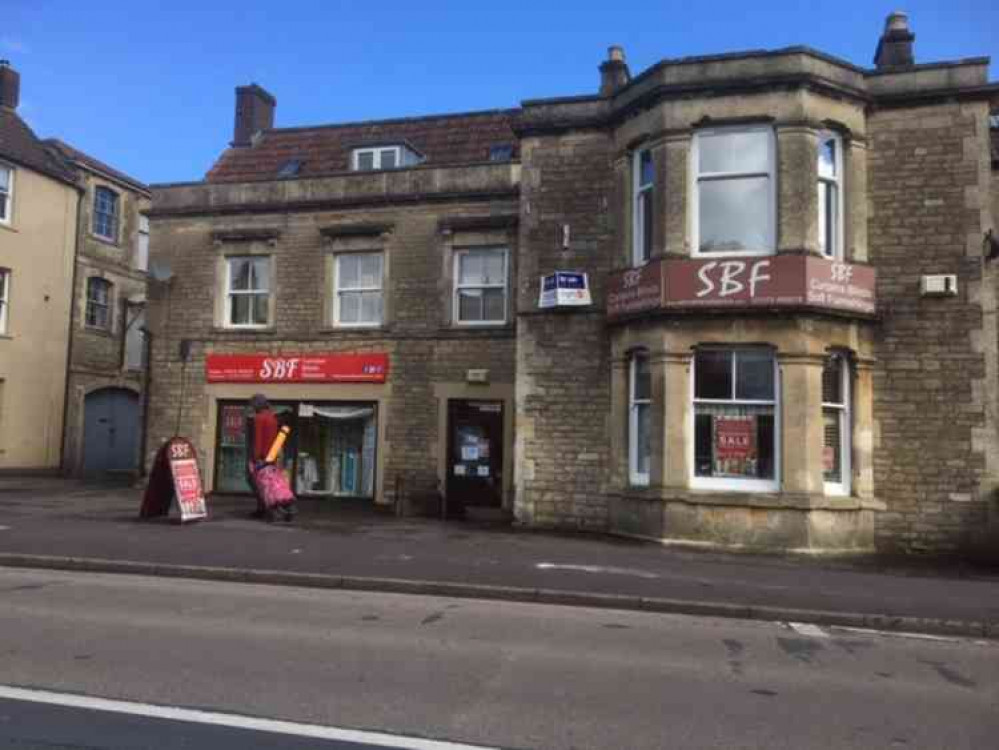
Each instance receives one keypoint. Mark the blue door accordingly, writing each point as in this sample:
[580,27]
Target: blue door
[111,431]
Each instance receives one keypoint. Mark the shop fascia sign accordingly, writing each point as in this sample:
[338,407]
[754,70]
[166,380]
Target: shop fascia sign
[774,281]
[297,368]
[564,289]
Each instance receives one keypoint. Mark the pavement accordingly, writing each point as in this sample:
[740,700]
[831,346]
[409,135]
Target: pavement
[64,524]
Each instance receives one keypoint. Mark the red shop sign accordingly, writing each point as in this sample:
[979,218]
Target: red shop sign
[296,368]
[735,438]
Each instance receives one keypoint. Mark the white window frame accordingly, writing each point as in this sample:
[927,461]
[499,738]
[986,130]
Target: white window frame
[115,216]
[637,478]
[93,281]
[843,487]
[457,286]
[637,207]
[230,292]
[4,299]
[338,291]
[142,244]
[695,193]
[836,184]
[8,215]
[730,483]
[376,152]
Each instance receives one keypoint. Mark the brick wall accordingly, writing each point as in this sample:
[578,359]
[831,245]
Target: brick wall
[930,385]
[563,357]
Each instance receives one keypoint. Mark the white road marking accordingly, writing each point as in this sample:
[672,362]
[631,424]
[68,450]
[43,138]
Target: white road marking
[196,716]
[596,569]
[917,636]
[804,628]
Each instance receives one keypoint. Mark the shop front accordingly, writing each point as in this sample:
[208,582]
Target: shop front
[745,407]
[331,402]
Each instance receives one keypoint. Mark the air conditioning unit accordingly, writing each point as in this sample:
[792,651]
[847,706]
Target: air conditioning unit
[940,285]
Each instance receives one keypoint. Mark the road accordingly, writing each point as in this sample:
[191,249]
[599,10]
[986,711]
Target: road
[497,674]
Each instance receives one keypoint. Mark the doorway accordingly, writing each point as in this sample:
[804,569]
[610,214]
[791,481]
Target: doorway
[110,431]
[474,454]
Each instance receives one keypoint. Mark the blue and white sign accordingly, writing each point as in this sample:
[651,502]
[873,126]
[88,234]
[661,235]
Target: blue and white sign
[564,289]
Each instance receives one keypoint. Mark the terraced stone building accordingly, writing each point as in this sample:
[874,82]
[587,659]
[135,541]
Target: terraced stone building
[738,300]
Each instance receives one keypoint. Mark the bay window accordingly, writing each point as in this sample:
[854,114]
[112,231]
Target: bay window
[836,446]
[639,418]
[643,212]
[734,192]
[248,291]
[735,419]
[831,196]
[480,286]
[357,289]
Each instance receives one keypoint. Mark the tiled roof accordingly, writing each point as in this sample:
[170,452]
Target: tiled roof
[75,155]
[20,145]
[440,139]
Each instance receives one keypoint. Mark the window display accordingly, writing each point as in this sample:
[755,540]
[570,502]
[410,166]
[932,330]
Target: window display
[734,418]
[331,450]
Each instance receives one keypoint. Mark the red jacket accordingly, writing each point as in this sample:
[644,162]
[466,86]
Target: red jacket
[265,429]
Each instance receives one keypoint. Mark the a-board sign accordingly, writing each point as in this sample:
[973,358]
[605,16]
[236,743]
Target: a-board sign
[175,477]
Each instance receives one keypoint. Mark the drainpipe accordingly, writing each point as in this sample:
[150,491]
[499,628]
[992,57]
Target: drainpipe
[147,337]
[81,192]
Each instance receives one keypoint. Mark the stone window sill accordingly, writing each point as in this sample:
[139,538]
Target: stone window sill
[265,330]
[772,500]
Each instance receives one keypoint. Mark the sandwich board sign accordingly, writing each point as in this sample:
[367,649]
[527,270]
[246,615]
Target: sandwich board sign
[175,478]
[564,289]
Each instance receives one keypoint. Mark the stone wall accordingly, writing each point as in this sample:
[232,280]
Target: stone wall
[425,350]
[563,356]
[934,385]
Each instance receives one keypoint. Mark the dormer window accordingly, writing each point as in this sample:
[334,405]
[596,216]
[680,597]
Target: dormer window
[290,168]
[383,157]
[501,152]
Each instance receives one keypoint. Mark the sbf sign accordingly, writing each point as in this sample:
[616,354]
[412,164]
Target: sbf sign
[730,277]
[280,369]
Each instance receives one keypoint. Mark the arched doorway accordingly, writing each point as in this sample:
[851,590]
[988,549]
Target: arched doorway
[111,431]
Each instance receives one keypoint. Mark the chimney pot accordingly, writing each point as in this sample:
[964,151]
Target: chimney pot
[254,112]
[10,85]
[895,45]
[614,73]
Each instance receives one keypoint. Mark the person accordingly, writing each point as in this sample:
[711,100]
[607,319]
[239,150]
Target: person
[263,430]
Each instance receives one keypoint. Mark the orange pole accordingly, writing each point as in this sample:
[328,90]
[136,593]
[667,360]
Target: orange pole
[278,444]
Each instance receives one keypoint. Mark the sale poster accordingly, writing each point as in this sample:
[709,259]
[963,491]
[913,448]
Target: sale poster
[735,445]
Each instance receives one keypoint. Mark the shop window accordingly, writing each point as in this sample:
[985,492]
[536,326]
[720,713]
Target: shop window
[639,418]
[836,447]
[248,291]
[735,419]
[6,193]
[4,299]
[643,211]
[357,295]
[734,196]
[480,286]
[106,214]
[330,452]
[98,312]
[831,196]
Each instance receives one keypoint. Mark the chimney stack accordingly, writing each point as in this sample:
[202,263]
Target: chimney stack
[895,45]
[254,112]
[10,85]
[614,73]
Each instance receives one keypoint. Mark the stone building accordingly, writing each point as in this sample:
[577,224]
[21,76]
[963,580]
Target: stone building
[73,250]
[781,330]
[107,344]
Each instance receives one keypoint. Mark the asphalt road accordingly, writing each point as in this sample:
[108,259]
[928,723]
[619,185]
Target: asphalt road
[497,674]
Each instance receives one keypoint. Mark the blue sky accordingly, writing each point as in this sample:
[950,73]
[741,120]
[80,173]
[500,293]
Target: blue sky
[148,86]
